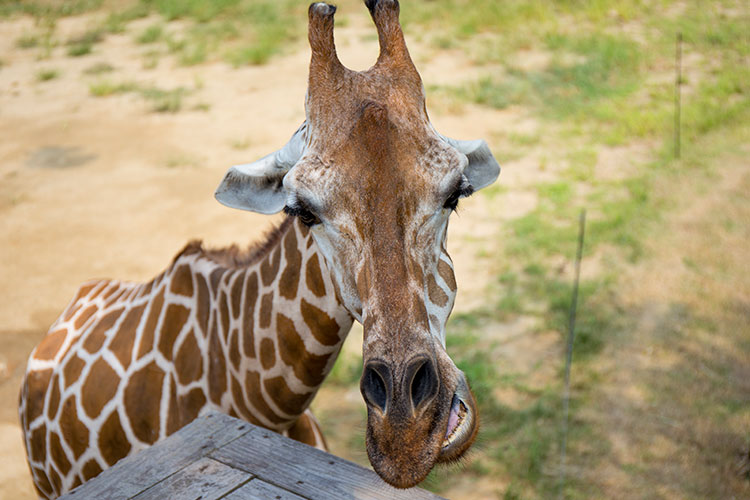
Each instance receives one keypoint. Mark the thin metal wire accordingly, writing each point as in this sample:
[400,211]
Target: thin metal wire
[569,351]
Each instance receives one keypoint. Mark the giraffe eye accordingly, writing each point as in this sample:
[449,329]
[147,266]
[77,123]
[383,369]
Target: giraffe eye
[305,215]
[460,192]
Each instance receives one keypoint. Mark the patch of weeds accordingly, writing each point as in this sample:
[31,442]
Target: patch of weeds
[99,68]
[164,101]
[582,163]
[193,53]
[45,75]
[83,44]
[521,139]
[103,88]
[116,22]
[202,106]
[151,34]
[49,10]
[27,41]
[558,194]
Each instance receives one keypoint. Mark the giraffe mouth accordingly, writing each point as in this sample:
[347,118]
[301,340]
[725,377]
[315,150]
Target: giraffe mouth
[460,426]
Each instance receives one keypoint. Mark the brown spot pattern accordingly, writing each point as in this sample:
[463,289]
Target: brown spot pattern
[224,315]
[302,431]
[239,402]
[75,433]
[91,469]
[287,400]
[314,277]
[41,482]
[190,405]
[49,346]
[255,396]
[59,458]
[446,273]
[204,303]
[182,281]
[266,308]
[36,389]
[100,387]
[84,316]
[217,370]
[289,281]
[309,368]
[267,353]
[142,401]
[54,477]
[96,337]
[234,349]
[54,398]
[215,277]
[113,444]
[124,339]
[175,318]
[323,327]
[38,442]
[173,415]
[237,295]
[147,339]
[437,295]
[72,370]
[189,362]
[270,267]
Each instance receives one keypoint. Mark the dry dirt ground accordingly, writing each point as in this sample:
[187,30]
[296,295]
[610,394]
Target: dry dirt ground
[103,187]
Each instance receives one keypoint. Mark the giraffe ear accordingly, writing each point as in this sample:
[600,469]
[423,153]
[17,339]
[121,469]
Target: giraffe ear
[483,168]
[258,186]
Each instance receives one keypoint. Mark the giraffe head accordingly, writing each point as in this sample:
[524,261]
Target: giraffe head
[376,184]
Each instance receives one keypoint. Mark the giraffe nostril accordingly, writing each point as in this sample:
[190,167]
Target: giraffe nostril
[424,383]
[374,385]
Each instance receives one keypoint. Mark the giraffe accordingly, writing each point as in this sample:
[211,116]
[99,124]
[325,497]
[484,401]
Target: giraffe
[368,186]
[251,334]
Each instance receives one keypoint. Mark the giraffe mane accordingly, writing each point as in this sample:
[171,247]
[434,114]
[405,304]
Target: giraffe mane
[234,257]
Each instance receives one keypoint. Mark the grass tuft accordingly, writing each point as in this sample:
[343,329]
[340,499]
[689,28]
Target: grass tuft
[45,75]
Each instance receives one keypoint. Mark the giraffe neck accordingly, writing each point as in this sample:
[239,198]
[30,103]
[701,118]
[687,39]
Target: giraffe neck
[271,330]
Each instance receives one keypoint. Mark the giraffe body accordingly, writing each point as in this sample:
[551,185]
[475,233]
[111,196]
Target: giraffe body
[128,364]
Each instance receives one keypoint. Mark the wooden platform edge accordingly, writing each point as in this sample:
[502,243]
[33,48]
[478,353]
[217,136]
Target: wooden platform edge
[245,454]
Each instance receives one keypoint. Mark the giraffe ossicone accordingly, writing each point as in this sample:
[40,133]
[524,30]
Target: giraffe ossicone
[369,186]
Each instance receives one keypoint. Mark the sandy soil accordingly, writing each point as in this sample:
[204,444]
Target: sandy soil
[102,187]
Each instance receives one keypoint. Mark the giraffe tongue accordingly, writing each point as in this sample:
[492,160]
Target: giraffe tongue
[453,418]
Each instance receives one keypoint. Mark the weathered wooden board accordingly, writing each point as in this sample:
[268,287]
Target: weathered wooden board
[260,490]
[306,471]
[205,479]
[220,457]
[138,472]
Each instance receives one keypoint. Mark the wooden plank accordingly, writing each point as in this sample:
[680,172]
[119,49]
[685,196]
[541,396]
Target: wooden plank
[261,490]
[307,471]
[142,470]
[205,479]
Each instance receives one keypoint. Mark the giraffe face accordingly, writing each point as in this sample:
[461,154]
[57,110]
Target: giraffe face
[377,184]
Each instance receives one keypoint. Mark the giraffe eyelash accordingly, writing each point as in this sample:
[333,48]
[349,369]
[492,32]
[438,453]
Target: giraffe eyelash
[461,191]
[303,213]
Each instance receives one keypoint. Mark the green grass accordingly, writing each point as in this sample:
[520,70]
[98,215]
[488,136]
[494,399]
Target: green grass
[83,44]
[99,68]
[45,75]
[160,100]
[104,88]
[27,41]
[151,34]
